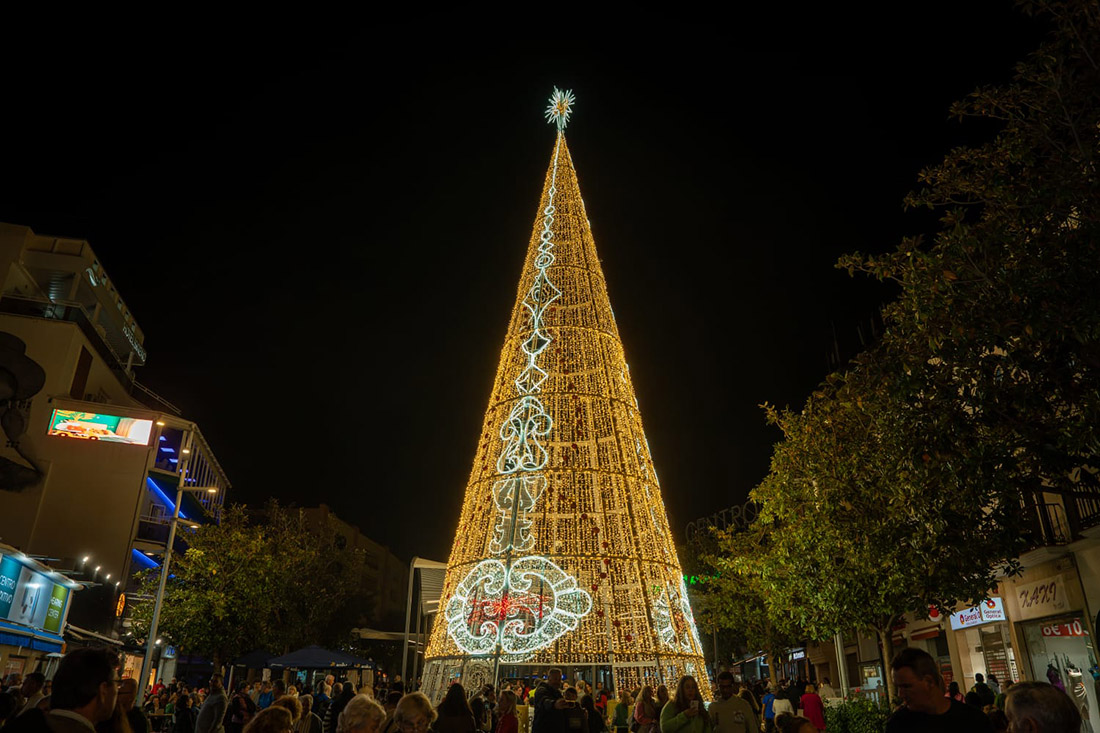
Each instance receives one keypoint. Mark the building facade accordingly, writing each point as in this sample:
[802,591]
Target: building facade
[93,461]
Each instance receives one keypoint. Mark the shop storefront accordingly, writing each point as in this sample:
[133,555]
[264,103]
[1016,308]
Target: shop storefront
[984,641]
[34,601]
[1054,629]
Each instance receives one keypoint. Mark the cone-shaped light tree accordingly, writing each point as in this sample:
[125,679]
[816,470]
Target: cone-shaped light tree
[563,554]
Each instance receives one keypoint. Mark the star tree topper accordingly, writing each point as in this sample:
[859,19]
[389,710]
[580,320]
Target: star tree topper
[561,107]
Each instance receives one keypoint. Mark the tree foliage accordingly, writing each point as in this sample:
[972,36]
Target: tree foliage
[270,582]
[911,477]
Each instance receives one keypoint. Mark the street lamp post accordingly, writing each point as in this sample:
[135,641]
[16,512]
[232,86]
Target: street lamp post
[150,638]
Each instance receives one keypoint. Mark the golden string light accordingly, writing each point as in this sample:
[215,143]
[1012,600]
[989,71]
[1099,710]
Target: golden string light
[572,562]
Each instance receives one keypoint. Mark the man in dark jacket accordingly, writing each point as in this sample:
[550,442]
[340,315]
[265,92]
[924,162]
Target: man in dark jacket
[85,691]
[549,705]
[985,692]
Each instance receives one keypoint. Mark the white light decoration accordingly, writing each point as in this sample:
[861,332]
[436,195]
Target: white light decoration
[563,555]
[561,107]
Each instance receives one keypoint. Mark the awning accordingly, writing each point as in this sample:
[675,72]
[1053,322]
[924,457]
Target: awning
[78,634]
[28,638]
[432,575]
[314,657]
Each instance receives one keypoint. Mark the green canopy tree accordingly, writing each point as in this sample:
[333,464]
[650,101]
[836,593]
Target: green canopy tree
[269,581]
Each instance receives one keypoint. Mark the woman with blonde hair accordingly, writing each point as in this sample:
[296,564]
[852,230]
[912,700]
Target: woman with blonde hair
[645,711]
[361,715]
[685,713]
[414,713]
[507,722]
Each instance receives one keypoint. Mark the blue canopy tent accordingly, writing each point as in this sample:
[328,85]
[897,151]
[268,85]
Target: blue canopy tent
[315,657]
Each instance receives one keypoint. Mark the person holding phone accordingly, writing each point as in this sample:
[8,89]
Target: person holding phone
[685,713]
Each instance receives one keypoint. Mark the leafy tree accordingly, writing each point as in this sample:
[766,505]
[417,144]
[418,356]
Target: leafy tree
[1000,311]
[734,598]
[267,582]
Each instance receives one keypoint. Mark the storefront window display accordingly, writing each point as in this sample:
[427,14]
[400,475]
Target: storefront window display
[1062,653]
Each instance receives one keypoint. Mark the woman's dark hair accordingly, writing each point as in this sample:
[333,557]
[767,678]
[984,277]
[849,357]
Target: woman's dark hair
[79,676]
[589,704]
[953,688]
[477,707]
[999,721]
[973,698]
[455,702]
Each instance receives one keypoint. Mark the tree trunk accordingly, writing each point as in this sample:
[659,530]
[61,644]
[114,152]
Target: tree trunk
[773,668]
[886,647]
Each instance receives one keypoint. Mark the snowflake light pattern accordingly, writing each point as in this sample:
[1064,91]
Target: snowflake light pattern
[561,107]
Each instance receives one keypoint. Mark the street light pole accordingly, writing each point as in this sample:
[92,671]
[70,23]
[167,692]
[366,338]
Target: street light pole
[151,637]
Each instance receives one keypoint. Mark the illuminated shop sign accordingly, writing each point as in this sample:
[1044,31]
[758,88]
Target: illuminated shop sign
[96,426]
[30,598]
[983,613]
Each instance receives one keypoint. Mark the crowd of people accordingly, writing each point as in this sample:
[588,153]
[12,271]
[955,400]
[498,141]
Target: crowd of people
[87,694]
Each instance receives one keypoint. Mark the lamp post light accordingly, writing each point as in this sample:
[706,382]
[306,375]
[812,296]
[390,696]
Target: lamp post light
[181,489]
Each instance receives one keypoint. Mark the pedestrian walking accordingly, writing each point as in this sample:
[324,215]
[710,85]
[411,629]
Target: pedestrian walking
[622,711]
[310,722]
[454,713]
[550,705]
[924,707]
[645,711]
[507,722]
[594,718]
[332,716]
[731,713]
[241,709]
[1039,707]
[414,713]
[685,712]
[211,717]
[362,714]
[813,709]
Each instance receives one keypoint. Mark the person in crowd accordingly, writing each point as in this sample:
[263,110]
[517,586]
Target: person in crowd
[595,721]
[550,705]
[826,690]
[768,709]
[481,713]
[993,683]
[924,707]
[414,713]
[211,715]
[813,708]
[782,702]
[84,694]
[266,696]
[271,719]
[645,711]
[999,700]
[507,721]
[576,720]
[685,713]
[322,698]
[622,711]
[662,699]
[389,725]
[953,692]
[973,699]
[254,692]
[1039,707]
[332,716]
[790,723]
[985,693]
[362,714]
[999,721]
[730,713]
[127,696]
[32,690]
[293,705]
[310,722]
[600,699]
[185,715]
[278,687]
[241,709]
[455,715]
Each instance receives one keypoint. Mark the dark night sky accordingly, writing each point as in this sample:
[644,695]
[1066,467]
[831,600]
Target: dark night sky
[322,240]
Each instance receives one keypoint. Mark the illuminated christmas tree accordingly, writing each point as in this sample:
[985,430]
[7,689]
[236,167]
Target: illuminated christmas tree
[563,554]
